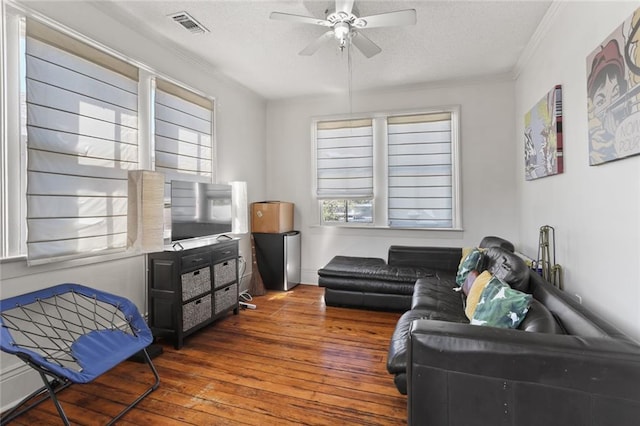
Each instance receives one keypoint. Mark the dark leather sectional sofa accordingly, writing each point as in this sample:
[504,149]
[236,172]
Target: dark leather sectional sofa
[562,366]
[372,283]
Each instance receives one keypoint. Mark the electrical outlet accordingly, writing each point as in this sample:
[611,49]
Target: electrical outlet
[579,298]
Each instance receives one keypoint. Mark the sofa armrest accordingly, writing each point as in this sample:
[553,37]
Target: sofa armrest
[524,371]
[440,258]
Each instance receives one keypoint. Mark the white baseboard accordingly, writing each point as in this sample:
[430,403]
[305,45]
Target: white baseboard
[309,276]
[17,381]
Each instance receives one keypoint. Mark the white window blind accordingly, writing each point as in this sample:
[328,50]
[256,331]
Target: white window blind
[82,139]
[183,139]
[344,151]
[420,185]
[183,134]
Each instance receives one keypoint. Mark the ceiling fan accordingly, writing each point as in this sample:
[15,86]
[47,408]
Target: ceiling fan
[346,25]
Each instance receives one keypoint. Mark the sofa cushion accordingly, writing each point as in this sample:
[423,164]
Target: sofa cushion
[372,269]
[508,267]
[539,319]
[438,294]
[397,359]
[468,283]
[341,266]
[368,300]
[501,306]
[397,356]
[476,291]
[465,253]
[491,241]
[372,285]
[467,264]
[435,258]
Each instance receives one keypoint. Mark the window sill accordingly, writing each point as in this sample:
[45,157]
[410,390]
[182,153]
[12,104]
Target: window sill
[387,228]
[16,267]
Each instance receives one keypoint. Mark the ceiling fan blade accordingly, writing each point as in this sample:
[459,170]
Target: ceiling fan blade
[390,19]
[345,6]
[315,45]
[297,18]
[366,46]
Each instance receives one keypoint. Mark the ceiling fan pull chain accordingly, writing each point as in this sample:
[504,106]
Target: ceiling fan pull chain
[350,78]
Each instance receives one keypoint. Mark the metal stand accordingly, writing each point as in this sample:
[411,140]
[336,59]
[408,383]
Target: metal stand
[550,272]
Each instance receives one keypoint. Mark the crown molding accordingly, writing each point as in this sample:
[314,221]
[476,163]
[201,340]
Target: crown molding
[538,35]
[505,77]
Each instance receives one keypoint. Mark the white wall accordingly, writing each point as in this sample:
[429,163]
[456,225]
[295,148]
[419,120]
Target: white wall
[235,107]
[489,200]
[595,210]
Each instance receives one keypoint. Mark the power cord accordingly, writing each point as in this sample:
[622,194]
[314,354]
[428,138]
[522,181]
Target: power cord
[244,297]
[242,267]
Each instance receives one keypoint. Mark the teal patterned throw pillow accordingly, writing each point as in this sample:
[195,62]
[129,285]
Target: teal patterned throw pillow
[468,264]
[501,306]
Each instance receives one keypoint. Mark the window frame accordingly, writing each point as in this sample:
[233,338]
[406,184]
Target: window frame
[381,164]
[13,198]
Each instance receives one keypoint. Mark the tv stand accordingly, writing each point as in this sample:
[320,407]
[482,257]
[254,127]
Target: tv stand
[189,289]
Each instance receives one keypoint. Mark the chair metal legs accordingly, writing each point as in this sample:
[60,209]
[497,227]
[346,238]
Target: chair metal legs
[51,388]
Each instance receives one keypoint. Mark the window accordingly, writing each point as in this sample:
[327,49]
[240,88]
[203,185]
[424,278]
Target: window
[183,134]
[76,118]
[420,171]
[82,138]
[389,170]
[344,155]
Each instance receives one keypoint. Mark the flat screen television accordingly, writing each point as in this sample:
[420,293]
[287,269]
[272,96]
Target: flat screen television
[199,210]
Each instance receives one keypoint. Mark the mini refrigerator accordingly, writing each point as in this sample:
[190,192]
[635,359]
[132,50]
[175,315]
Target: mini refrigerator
[278,259]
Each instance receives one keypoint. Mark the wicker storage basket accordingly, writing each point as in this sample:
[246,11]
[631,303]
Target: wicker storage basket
[226,298]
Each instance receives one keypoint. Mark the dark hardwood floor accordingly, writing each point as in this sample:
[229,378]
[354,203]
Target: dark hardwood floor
[290,361]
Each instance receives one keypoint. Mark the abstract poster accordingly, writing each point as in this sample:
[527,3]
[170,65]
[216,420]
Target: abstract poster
[543,136]
[613,94]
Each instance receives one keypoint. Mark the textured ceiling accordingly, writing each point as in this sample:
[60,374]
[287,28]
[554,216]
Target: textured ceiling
[452,40]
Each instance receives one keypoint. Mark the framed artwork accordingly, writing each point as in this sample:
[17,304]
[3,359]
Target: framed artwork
[543,136]
[613,94]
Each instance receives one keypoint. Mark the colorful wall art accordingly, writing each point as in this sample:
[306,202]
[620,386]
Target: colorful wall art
[613,93]
[543,136]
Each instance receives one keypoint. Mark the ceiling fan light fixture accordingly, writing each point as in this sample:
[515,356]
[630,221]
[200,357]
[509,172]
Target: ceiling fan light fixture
[341,31]
[345,26]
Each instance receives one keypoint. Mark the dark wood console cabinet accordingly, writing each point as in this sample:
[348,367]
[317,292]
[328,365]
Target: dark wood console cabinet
[189,289]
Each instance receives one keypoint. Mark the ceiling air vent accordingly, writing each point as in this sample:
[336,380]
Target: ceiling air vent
[184,19]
